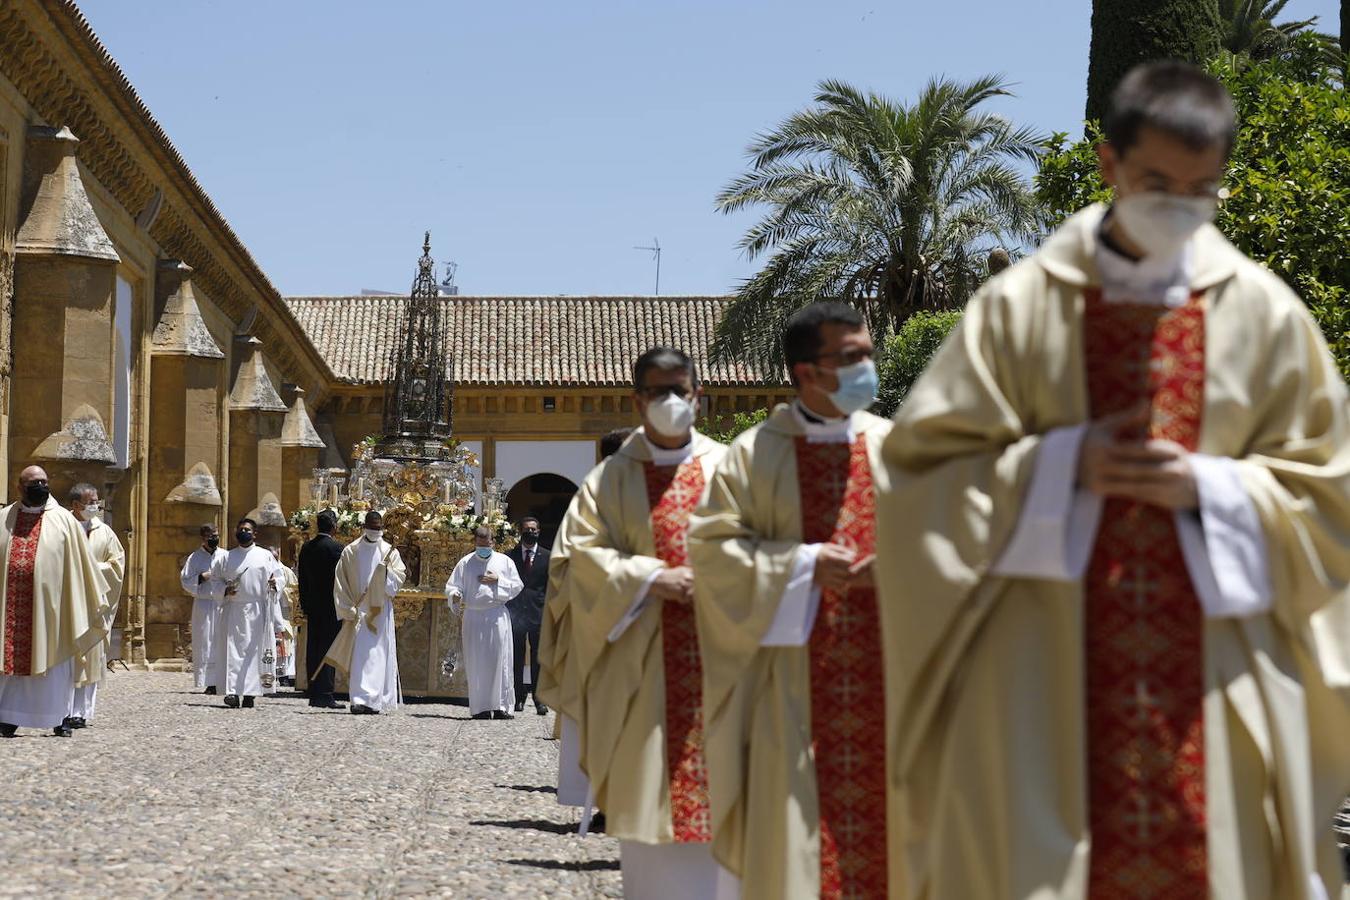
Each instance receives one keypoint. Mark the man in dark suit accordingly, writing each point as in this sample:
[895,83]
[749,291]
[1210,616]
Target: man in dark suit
[527,608]
[317,566]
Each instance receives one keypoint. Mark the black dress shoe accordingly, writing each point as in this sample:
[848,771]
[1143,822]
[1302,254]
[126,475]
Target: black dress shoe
[325,703]
[360,709]
[520,706]
[211,691]
[62,731]
[597,823]
[232,701]
[499,714]
[74,722]
[482,715]
[7,730]
[540,708]
[248,703]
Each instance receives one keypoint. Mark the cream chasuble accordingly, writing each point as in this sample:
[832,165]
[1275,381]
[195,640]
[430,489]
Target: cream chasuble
[745,544]
[616,681]
[59,615]
[987,690]
[111,560]
[366,581]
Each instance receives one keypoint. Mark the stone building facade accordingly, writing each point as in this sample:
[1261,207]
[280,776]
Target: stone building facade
[143,349]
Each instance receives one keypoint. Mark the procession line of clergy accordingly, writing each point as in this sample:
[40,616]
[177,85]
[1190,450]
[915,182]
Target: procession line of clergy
[1076,625]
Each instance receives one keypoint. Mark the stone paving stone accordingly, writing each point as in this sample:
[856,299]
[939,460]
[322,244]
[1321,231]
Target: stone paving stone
[172,795]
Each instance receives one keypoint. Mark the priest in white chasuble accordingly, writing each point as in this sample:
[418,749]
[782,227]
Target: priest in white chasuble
[556,684]
[248,574]
[369,575]
[783,550]
[51,602]
[1118,507]
[86,506]
[479,587]
[633,639]
[207,610]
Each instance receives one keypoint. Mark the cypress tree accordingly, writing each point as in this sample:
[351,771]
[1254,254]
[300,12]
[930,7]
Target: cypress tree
[1128,32]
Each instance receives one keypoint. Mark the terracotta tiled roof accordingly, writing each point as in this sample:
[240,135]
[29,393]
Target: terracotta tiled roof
[526,341]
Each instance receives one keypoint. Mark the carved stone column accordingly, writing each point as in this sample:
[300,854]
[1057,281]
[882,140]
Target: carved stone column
[186,383]
[65,269]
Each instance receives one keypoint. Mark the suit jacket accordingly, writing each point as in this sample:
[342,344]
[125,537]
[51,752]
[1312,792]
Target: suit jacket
[527,608]
[317,567]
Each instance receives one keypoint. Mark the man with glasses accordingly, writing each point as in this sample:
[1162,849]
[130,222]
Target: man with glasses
[1116,521]
[783,550]
[630,685]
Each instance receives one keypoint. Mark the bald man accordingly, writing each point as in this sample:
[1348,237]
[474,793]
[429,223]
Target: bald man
[51,598]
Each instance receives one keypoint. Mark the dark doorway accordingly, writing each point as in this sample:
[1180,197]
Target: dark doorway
[544,496]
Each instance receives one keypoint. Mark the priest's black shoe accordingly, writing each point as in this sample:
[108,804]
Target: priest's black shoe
[62,731]
[597,823]
[360,709]
[540,708]
[520,706]
[499,714]
[325,703]
[482,715]
[74,722]
[211,691]
[7,730]
[232,701]
[247,703]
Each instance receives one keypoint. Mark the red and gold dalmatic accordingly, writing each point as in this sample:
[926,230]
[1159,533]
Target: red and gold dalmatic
[847,676]
[672,493]
[1144,627]
[18,624]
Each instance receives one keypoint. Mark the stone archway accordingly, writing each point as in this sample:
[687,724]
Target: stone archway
[544,496]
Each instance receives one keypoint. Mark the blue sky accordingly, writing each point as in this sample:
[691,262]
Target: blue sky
[539,141]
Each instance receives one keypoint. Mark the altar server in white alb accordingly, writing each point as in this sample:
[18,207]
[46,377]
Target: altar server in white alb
[369,574]
[50,595]
[206,609]
[247,573]
[481,585]
[111,559]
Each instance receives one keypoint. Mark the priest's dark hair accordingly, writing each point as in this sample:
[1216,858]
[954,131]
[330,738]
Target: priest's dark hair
[665,359]
[801,336]
[326,521]
[77,492]
[246,521]
[528,519]
[1175,98]
[208,529]
[612,441]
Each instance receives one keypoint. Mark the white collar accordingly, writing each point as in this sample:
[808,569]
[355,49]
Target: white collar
[663,457]
[24,507]
[823,431]
[1151,280]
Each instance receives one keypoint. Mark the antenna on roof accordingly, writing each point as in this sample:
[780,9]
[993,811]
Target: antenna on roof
[655,250]
[448,286]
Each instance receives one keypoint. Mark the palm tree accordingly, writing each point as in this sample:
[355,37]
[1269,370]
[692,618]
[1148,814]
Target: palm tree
[892,208]
[1250,28]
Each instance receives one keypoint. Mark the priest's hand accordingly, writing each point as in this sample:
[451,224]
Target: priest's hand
[834,564]
[860,573]
[489,578]
[1115,460]
[673,585]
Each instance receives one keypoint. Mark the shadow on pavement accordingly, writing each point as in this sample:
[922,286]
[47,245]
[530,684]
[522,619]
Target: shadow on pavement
[590,865]
[532,824]
[540,789]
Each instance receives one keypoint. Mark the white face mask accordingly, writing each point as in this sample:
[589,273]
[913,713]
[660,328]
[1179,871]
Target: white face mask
[671,416]
[1162,223]
[374,534]
[91,511]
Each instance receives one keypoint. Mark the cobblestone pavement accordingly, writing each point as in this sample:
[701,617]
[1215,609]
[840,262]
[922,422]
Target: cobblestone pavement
[170,794]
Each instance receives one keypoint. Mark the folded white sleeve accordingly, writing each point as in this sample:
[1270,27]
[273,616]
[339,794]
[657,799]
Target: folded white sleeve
[1225,546]
[796,615]
[635,608]
[1056,530]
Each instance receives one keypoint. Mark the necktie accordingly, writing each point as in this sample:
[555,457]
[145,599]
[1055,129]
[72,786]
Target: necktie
[529,561]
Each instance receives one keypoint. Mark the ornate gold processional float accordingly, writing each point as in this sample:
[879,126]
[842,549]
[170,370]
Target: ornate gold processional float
[426,485]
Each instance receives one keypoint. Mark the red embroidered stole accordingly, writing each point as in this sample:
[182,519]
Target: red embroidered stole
[18,626]
[672,494]
[847,677]
[1144,627]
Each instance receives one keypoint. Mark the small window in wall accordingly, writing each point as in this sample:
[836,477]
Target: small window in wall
[550,404]
[121,425]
